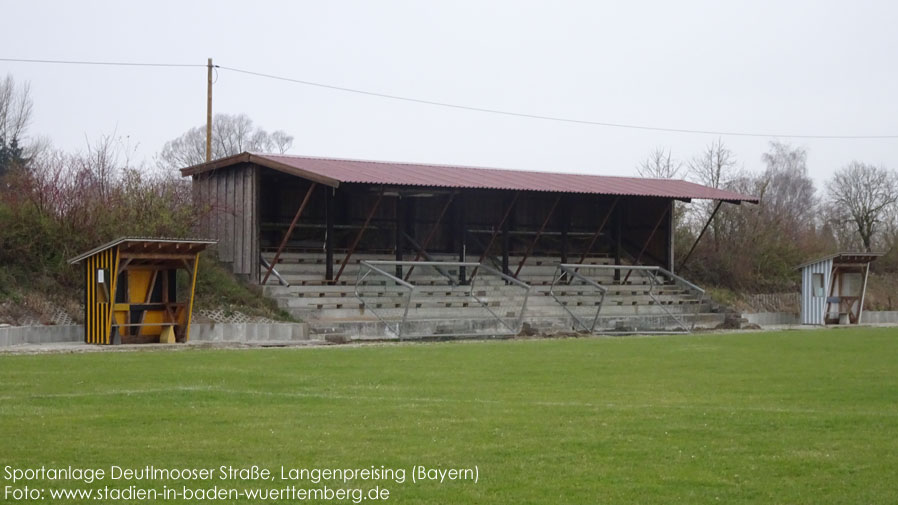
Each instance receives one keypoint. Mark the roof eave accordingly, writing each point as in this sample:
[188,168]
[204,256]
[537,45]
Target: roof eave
[261,160]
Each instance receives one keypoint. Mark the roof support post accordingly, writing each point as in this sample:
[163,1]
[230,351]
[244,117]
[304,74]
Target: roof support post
[595,236]
[860,307]
[329,210]
[539,233]
[433,232]
[398,217]
[700,235]
[649,240]
[287,235]
[669,242]
[358,236]
[618,242]
[565,227]
[461,235]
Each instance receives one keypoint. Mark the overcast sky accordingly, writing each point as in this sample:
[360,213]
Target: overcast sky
[771,67]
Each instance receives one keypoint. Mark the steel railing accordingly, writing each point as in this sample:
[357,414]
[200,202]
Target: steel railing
[567,273]
[369,268]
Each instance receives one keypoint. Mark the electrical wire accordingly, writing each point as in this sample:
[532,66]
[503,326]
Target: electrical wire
[106,63]
[555,118]
[459,106]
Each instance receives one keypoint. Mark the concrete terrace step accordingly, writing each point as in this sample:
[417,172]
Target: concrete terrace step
[459,312]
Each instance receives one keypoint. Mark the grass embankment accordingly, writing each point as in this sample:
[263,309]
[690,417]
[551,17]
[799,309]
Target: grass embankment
[796,417]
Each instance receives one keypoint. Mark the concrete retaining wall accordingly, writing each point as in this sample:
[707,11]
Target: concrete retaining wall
[879,316]
[18,335]
[249,332]
[771,318]
[776,318]
[243,332]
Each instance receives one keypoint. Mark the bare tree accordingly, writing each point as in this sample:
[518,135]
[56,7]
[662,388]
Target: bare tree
[231,134]
[714,166]
[863,194]
[15,110]
[789,198]
[659,165]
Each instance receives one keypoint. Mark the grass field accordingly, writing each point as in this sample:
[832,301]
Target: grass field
[795,417]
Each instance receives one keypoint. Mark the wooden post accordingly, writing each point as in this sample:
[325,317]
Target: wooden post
[358,237]
[209,111]
[277,255]
[329,197]
[539,233]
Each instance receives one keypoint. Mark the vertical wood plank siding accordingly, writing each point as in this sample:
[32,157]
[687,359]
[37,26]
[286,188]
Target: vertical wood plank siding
[231,195]
[98,315]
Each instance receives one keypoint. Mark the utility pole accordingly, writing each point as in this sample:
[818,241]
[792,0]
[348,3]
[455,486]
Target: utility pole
[209,112]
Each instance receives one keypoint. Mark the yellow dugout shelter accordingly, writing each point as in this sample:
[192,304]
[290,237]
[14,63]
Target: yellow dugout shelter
[131,292]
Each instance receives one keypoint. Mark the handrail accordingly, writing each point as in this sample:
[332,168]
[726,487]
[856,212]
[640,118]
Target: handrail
[397,280]
[701,297]
[370,266]
[566,268]
[391,277]
[274,271]
[652,271]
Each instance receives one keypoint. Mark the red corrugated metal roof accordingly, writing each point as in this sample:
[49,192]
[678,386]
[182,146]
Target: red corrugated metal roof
[333,172]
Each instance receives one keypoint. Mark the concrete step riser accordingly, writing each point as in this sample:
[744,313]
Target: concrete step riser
[461,313]
[365,330]
[499,298]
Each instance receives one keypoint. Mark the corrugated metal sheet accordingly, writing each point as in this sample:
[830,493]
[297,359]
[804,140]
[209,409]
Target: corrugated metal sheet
[813,307]
[336,171]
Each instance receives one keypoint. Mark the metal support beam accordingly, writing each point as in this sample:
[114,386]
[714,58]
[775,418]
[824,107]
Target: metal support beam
[648,241]
[595,236]
[565,227]
[539,233]
[461,236]
[700,235]
[329,219]
[499,227]
[398,216]
[618,242]
[433,232]
[358,237]
[277,255]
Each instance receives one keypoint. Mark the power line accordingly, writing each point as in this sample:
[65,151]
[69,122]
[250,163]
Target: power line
[104,63]
[553,118]
[459,106]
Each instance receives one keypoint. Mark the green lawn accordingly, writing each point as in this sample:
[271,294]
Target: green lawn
[794,417]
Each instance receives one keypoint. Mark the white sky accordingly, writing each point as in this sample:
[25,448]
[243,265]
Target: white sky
[813,67]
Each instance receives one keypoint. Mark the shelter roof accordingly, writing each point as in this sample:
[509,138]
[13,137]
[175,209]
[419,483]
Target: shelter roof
[333,172]
[857,257]
[158,245]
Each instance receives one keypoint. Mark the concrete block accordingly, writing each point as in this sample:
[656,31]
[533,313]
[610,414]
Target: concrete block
[16,336]
[32,334]
[299,331]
